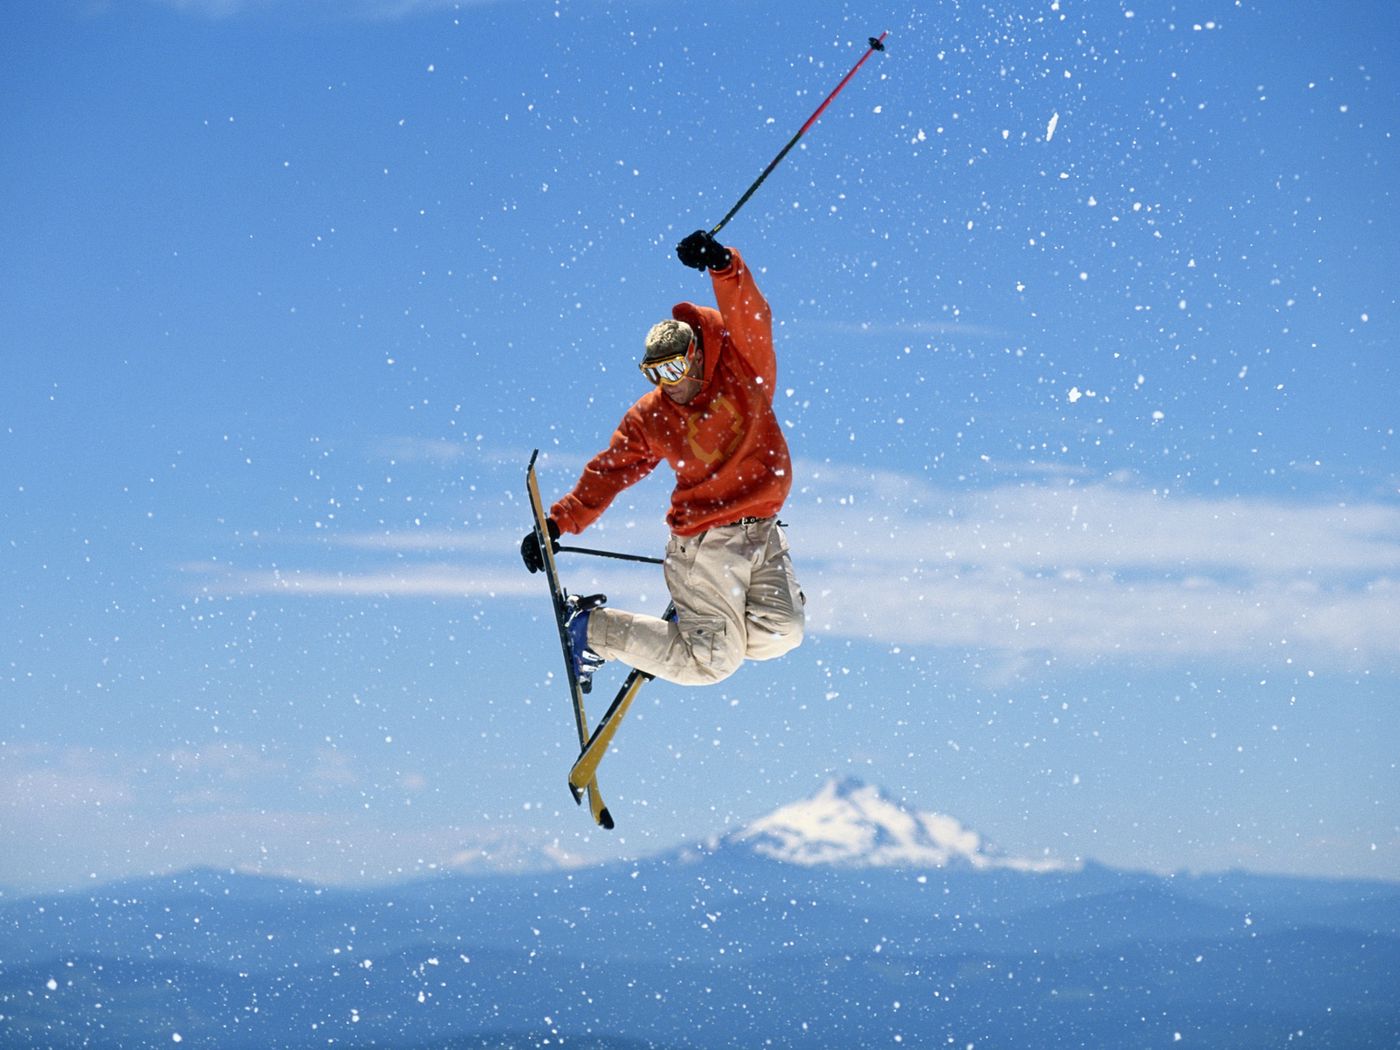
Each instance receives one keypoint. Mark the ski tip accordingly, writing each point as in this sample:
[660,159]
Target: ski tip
[577,793]
[605,818]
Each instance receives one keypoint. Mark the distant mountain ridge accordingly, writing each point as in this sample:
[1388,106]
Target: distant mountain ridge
[847,823]
[842,920]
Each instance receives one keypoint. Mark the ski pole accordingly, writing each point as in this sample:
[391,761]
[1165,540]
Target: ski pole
[612,554]
[876,44]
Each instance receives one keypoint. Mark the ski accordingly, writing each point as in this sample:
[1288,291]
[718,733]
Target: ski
[590,785]
[586,768]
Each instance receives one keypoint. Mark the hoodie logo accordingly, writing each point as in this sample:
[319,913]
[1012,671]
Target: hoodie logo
[716,433]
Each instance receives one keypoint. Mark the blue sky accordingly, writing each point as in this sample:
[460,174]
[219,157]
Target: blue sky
[1086,329]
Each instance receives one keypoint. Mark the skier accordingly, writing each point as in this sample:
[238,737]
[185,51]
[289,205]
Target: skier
[710,416]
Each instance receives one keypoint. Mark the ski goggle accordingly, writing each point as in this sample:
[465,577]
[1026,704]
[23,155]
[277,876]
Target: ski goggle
[670,370]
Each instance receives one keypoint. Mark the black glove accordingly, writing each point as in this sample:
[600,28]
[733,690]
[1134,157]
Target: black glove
[701,250]
[530,552]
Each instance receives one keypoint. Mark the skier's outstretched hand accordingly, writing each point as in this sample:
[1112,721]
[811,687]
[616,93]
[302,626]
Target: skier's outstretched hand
[700,250]
[530,552]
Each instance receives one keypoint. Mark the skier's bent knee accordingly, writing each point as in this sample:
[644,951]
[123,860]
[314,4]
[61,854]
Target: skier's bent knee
[790,639]
[715,669]
[769,645]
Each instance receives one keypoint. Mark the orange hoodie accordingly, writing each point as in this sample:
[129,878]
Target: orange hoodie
[726,447]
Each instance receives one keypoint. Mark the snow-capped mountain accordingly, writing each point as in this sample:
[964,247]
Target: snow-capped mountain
[850,824]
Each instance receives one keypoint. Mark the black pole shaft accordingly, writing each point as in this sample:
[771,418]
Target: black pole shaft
[613,554]
[876,44]
[757,183]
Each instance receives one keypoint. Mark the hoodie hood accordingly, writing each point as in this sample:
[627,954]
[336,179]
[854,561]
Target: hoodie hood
[713,335]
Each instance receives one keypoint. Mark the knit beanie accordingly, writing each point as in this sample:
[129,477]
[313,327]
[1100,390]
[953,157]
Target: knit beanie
[670,338]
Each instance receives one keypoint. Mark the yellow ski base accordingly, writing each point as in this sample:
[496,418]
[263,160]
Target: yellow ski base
[586,768]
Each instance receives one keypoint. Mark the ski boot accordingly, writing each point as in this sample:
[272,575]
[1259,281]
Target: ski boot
[585,660]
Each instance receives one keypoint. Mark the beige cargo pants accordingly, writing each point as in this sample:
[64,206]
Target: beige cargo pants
[736,598]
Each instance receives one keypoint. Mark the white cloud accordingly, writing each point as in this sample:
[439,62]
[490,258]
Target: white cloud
[410,581]
[1084,571]
[50,786]
[1046,565]
[435,451]
[425,540]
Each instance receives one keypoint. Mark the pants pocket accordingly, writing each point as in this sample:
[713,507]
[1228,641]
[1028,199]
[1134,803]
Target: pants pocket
[705,639]
[681,552]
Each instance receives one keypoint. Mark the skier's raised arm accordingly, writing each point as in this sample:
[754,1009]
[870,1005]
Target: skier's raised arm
[741,304]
